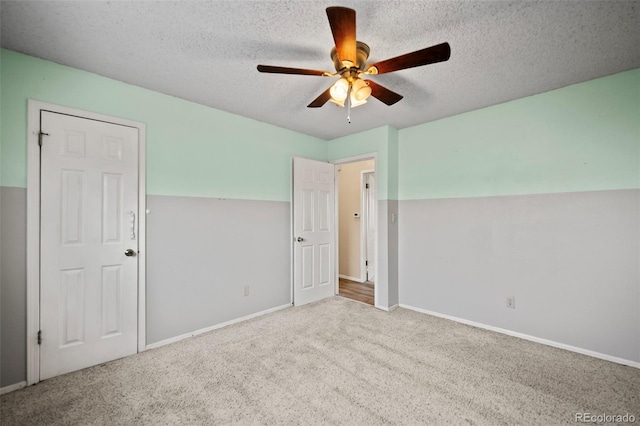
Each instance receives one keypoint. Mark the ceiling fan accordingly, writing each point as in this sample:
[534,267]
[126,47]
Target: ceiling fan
[349,59]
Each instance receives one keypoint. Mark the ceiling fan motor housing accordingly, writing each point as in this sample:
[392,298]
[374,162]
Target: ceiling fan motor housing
[362,54]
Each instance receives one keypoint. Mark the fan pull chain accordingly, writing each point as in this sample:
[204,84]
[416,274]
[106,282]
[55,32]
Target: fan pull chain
[349,104]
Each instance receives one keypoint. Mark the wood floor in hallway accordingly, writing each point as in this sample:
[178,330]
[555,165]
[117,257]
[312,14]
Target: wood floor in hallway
[362,292]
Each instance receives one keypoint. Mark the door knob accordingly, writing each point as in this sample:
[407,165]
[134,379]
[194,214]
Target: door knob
[299,239]
[129,252]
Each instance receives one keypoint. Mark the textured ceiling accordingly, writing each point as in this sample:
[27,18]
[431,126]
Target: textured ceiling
[207,52]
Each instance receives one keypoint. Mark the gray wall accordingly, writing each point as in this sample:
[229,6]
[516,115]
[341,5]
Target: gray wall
[571,261]
[201,252]
[387,279]
[13,285]
[392,252]
[382,277]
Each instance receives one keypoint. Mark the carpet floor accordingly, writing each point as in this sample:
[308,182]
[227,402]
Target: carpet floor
[335,362]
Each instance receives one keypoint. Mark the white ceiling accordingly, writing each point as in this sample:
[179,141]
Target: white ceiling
[207,52]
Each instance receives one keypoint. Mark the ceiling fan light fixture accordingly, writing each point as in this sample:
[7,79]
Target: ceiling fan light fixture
[360,91]
[357,103]
[340,90]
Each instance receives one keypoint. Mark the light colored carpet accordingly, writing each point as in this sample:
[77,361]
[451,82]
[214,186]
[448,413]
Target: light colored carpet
[335,362]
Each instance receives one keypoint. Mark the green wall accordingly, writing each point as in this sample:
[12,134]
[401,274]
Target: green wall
[583,137]
[393,153]
[192,150]
[579,138]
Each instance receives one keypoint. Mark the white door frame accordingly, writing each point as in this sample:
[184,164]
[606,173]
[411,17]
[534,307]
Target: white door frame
[33,225]
[372,156]
[364,220]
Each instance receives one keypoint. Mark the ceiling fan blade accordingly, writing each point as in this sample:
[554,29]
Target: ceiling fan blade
[382,93]
[320,100]
[429,55]
[286,70]
[343,27]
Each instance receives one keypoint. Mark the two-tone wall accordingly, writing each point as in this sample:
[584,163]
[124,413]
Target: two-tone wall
[218,191]
[538,199]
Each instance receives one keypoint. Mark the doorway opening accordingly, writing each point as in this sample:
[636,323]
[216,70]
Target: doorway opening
[356,208]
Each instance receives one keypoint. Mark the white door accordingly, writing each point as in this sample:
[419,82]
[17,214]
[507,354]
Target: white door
[89,211]
[370,206]
[313,226]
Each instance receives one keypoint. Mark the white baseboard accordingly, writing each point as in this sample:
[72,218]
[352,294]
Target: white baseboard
[13,387]
[389,309]
[346,277]
[214,327]
[564,346]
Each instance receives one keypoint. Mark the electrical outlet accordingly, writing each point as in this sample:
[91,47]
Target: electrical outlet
[511,302]
[246,290]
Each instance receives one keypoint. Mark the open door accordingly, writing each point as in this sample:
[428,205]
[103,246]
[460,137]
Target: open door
[313,231]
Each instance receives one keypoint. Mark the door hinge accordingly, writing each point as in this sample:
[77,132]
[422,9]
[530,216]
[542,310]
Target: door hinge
[39,337]
[366,185]
[366,263]
[40,135]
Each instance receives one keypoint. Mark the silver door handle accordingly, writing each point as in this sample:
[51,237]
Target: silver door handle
[299,239]
[129,252]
